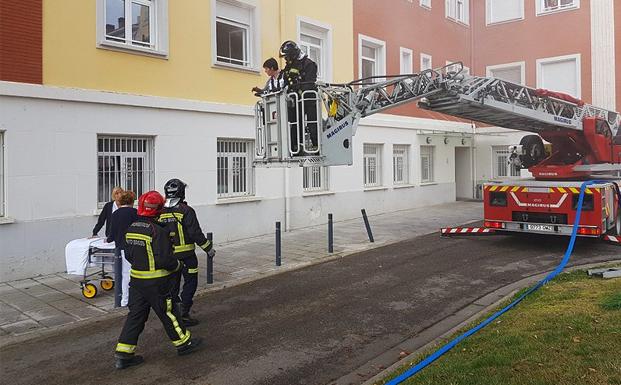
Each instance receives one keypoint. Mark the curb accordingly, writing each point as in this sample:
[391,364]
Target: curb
[425,339]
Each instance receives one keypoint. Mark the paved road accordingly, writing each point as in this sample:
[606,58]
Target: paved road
[309,326]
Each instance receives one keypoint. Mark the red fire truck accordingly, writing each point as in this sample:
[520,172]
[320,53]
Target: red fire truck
[583,142]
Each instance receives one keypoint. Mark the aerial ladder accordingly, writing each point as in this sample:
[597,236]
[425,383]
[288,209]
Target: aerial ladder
[584,140]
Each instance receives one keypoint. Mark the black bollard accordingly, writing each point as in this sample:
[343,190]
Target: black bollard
[330,234]
[277,243]
[210,261]
[118,277]
[366,224]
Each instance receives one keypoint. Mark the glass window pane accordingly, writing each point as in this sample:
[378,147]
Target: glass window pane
[115,20]
[368,52]
[368,68]
[231,41]
[141,33]
[310,39]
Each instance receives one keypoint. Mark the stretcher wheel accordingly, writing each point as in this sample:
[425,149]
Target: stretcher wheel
[89,290]
[107,284]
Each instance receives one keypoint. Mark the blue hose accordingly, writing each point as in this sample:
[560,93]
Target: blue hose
[440,352]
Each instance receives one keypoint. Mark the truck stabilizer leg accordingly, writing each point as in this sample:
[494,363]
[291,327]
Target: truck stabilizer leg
[448,231]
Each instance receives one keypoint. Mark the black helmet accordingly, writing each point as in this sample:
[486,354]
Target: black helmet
[290,50]
[175,192]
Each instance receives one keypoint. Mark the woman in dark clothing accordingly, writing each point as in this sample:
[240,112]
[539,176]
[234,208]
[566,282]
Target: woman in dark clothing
[106,213]
[124,216]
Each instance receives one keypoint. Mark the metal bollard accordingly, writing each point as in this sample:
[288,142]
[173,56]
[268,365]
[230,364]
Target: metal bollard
[278,244]
[210,261]
[366,224]
[330,234]
[118,277]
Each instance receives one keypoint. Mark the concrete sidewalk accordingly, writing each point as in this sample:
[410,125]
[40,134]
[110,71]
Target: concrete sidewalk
[31,306]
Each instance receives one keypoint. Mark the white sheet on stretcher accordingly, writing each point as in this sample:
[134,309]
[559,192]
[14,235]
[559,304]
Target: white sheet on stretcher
[76,258]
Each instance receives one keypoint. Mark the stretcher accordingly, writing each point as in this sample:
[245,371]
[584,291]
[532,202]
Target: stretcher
[93,259]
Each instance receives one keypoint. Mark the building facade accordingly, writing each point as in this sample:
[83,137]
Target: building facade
[100,93]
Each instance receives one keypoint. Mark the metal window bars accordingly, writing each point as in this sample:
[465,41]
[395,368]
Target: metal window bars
[234,163]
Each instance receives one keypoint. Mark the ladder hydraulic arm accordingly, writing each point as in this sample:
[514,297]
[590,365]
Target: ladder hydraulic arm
[558,118]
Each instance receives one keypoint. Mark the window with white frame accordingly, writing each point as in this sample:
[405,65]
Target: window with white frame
[133,24]
[458,10]
[315,178]
[425,3]
[2,209]
[372,155]
[235,34]
[498,11]
[315,41]
[456,67]
[511,72]
[500,161]
[400,169]
[427,164]
[405,61]
[425,62]
[372,57]
[126,162]
[549,6]
[235,172]
[561,74]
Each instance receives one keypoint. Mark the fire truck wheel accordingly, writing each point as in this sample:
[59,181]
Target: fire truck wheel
[534,150]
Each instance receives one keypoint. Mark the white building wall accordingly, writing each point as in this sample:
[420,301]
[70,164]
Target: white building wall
[51,169]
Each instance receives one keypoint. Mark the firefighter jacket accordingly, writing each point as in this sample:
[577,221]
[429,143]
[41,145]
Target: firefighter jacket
[184,229]
[149,250]
[301,75]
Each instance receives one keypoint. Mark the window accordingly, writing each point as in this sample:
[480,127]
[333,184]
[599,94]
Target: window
[315,40]
[549,6]
[498,11]
[456,67]
[139,25]
[2,210]
[425,62]
[561,74]
[372,57]
[235,172]
[406,61]
[400,169]
[372,154]
[458,10]
[425,3]
[500,161]
[511,72]
[426,164]
[315,178]
[126,162]
[234,31]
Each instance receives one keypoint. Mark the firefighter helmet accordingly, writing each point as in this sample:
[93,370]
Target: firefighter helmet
[290,50]
[150,204]
[175,192]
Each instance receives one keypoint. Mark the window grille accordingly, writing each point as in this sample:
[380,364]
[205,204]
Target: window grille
[400,164]
[426,162]
[126,162]
[235,172]
[372,165]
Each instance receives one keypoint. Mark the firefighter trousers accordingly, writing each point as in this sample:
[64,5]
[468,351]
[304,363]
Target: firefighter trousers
[145,295]
[190,281]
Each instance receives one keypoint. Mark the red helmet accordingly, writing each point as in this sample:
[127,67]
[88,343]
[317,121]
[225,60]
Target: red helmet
[150,204]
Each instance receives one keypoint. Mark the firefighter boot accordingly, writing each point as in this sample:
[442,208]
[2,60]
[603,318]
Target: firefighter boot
[189,347]
[186,318]
[125,360]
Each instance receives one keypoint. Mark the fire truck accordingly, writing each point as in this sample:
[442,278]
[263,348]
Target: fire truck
[582,142]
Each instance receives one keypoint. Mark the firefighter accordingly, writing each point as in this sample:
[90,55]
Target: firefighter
[152,279]
[185,230]
[300,75]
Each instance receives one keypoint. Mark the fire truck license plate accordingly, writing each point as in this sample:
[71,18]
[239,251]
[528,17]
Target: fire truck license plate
[540,227]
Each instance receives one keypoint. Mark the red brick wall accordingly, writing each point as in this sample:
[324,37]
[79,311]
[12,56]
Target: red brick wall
[21,41]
